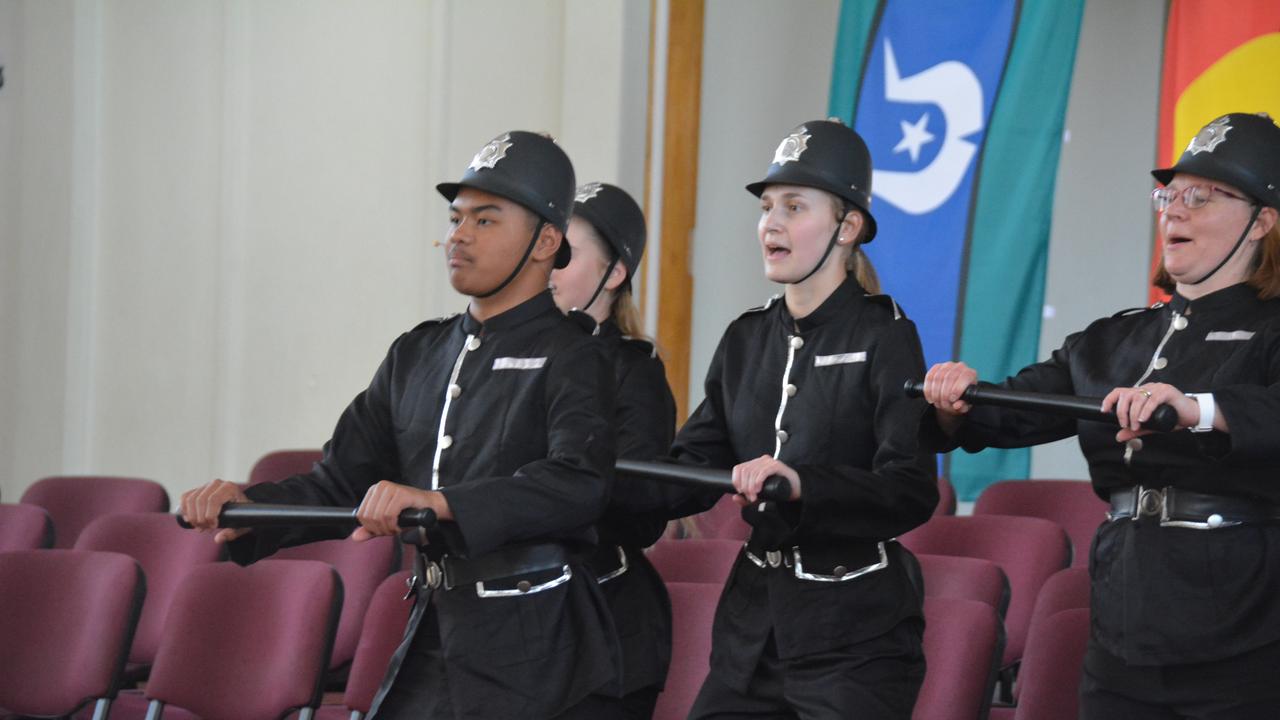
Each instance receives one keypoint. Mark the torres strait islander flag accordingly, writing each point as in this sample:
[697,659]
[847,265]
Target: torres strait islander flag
[962,104]
[1219,57]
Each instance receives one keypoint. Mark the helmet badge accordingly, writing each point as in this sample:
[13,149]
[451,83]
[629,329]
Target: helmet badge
[586,192]
[791,147]
[490,154]
[1210,137]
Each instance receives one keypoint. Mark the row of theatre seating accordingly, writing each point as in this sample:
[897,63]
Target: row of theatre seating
[137,598]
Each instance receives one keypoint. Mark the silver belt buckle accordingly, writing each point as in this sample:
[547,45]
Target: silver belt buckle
[623,566]
[524,587]
[435,576]
[773,558]
[1150,504]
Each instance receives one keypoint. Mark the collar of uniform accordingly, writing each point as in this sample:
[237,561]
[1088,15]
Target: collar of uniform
[522,313]
[1241,294]
[835,306]
[610,329]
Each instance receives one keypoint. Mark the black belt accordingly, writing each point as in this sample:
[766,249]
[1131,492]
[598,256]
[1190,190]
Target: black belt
[608,562]
[508,567]
[836,564]
[1175,507]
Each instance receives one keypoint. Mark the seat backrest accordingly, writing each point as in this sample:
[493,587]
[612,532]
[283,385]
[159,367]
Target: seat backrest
[694,559]
[723,520]
[946,498]
[963,643]
[1053,667]
[1070,503]
[248,643]
[693,606]
[66,620]
[361,565]
[1027,549]
[73,501]
[280,464]
[166,553]
[380,635]
[965,578]
[24,527]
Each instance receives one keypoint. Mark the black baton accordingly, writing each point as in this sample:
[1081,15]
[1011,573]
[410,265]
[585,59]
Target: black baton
[1163,419]
[776,487]
[249,515]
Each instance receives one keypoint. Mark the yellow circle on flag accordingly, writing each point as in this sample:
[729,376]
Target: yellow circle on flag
[1242,80]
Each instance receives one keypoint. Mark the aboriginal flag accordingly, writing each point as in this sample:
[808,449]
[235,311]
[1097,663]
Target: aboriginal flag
[1219,57]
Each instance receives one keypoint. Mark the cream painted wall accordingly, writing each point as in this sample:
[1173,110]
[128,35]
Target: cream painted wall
[226,209]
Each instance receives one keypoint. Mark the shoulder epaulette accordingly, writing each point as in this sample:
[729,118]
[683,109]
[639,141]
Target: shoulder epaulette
[767,304]
[888,302]
[435,321]
[584,321]
[641,344]
[1135,310]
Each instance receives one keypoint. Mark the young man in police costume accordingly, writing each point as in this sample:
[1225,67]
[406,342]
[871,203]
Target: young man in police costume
[499,420]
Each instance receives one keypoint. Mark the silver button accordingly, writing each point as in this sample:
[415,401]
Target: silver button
[839,570]
[1180,323]
[791,390]
[1160,363]
[797,342]
[455,390]
[782,436]
[1135,444]
[473,343]
[446,441]
[1214,520]
[524,586]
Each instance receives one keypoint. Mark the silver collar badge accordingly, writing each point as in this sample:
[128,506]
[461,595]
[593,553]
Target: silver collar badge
[791,147]
[490,154]
[1213,135]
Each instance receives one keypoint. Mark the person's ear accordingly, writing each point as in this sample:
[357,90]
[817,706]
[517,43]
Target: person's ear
[851,227]
[548,242]
[617,276]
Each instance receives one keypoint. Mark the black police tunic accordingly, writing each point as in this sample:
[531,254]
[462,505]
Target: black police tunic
[822,393]
[510,420]
[1168,595]
[645,419]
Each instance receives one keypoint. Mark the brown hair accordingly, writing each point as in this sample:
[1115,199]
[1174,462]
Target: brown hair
[857,263]
[1265,277]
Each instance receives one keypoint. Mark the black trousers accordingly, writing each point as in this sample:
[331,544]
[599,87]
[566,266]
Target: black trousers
[1246,687]
[421,689]
[874,680]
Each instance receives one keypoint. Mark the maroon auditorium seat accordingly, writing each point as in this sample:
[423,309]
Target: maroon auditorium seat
[946,498]
[73,501]
[1070,503]
[384,626]
[706,560]
[1027,549]
[24,527]
[963,641]
[965,578]
[1053,667]
[247,643]
[693,606]
[66,621]
[166,553]
[361,565]
[280,464]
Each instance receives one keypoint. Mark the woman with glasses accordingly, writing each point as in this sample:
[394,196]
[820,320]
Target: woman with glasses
[1186,571]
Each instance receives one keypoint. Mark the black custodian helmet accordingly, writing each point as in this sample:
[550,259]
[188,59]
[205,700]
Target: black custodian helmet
[828,155]
[527,168]
[1241,149]
[616,216]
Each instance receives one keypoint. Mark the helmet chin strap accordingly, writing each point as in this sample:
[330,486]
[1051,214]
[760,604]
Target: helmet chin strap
[520,265]
[600,288]
[1257,208]
[831,245]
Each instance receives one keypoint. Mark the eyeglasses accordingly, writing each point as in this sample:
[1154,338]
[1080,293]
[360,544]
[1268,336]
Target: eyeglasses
[1193,196]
